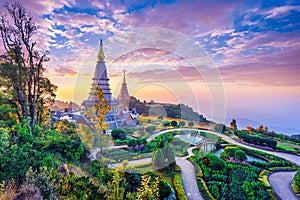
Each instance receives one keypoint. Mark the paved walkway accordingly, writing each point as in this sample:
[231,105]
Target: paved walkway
[281,183]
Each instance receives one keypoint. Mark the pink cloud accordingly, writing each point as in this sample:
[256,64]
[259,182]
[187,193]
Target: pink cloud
[182,15]
[65,71]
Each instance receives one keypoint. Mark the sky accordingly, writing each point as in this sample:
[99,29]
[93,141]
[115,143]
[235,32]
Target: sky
[226,59]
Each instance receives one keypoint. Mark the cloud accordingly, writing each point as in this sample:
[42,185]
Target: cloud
[281,11]
[65,71]
[182,16]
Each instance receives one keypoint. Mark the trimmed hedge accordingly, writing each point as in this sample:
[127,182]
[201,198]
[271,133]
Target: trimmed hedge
[206,189]
[263,177]
[179,187]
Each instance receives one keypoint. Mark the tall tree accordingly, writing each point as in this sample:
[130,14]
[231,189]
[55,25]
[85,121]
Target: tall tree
[96,115]
[21,66]
[158,159]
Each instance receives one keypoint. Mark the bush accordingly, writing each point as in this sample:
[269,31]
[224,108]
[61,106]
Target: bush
[263,177]
[150,129]
[179,188]
[214,162]
[177,169]
[296,184]
[206,189]
[240,155]
[117,133]
[182,123]
[174,123]
[190,124]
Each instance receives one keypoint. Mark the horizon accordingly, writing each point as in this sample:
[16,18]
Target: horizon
[253,45]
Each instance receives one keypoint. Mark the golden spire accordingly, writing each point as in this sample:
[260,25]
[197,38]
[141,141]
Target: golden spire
[101,55]
[124,79]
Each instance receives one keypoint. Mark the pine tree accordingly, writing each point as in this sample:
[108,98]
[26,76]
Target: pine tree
[158,160]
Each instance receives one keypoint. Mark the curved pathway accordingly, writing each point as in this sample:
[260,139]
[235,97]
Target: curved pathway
[280,181]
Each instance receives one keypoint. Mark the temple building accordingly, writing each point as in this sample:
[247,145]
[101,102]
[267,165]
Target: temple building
[124,96]
[119,115]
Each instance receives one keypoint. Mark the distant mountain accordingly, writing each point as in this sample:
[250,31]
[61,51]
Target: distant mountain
[61,105]
[244,122]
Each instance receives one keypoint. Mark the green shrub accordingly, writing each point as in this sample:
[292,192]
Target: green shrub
[179,188]
[206,189]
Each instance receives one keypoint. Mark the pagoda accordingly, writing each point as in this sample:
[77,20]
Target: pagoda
[124,96]
[102,81]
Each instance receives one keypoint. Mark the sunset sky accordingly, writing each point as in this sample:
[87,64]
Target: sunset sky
[251,47]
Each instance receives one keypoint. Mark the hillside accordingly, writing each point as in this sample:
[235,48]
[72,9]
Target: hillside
[179,111]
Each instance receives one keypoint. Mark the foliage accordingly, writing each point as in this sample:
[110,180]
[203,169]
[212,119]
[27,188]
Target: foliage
[285,148]
[132,143]
[158,160]
[191,123]
[149,190]
[179,188]
[296,183]
[263,177]
[207,190]
[21,68]
[214,162]
[179,111]
[115,190]
[240,155]
[174,123]
[297,178]
[150,129]
[181,123]
[256,139]
[66,128]
[233,124]
[96,115]
[234,181]
[118,133]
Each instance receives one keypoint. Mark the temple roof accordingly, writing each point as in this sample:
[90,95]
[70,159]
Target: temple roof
[101,55]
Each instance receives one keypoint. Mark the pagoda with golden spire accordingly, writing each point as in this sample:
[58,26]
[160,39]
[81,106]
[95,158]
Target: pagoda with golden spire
[124,96]
[102,81]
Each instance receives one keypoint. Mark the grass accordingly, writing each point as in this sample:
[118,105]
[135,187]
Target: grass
[286,148]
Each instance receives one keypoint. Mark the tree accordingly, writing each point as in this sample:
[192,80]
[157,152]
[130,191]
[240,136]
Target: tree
[96,115]
[66,128]
[173,123]
[259,129]
[132,143]
[191,124]
[149,190]
[21,68]
[117,132]
[169,155]
[233,124]
[158,159]
[115,190]
[240,155]
[181,123]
